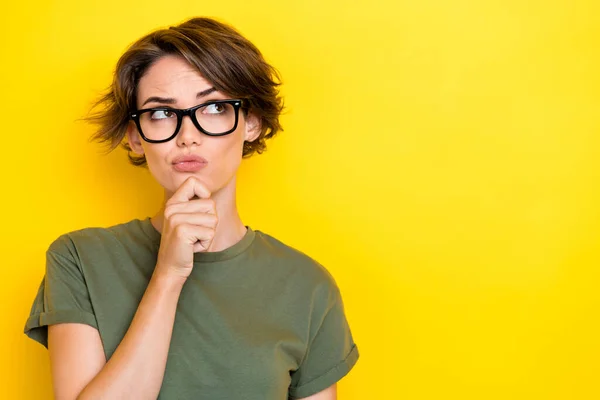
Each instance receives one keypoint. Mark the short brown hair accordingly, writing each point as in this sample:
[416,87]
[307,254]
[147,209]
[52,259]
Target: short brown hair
[222,56]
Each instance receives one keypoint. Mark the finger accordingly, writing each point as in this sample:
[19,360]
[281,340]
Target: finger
[198,219]
[188,189]
[202,245]
[193,233]
[193,206]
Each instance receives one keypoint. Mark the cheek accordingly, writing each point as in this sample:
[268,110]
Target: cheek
[231,145]
[236,147]
[228,152]
[227,156]
[155,158]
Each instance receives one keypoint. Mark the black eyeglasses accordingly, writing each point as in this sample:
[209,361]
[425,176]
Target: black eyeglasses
[161,124]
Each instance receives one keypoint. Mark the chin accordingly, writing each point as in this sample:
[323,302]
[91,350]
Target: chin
[172,182]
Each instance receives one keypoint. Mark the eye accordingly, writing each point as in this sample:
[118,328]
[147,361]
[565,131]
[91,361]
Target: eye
[215,108]
[162,114]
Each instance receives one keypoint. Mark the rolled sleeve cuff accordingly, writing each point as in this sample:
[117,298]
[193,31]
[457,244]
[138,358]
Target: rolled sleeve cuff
[36,326]
[327,379]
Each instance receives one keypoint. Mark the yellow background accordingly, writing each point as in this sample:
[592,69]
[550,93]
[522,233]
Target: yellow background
[441,158]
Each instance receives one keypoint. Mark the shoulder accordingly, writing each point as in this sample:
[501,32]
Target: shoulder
[306,271]
[71,243]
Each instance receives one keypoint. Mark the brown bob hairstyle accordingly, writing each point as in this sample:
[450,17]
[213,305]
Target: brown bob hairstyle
[220,54]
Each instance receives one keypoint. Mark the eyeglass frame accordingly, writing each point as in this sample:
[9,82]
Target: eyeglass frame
[191,112]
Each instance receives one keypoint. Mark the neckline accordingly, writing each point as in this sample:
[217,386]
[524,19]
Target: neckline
[204,257]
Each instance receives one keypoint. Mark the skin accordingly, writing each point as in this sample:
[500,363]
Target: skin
[199,214]
[172,77]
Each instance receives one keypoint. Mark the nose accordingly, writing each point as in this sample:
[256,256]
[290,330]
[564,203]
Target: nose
[188,133]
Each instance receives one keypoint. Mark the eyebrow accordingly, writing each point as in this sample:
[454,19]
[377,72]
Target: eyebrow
[168,100]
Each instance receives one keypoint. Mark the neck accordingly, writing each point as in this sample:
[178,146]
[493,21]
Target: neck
[230,228]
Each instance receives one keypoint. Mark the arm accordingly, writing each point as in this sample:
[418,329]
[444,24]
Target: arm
[331,352]
[136,369]
[328,394]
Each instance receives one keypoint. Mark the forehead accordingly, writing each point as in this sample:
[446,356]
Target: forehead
[172,76]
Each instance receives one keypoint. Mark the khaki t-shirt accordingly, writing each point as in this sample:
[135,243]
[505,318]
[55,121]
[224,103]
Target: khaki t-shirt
[259,320]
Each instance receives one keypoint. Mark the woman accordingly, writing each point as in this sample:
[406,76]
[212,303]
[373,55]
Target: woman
[191,303]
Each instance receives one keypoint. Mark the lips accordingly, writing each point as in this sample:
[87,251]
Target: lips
[189,163]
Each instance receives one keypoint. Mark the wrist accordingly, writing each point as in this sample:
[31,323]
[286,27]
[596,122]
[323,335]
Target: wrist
[167,280]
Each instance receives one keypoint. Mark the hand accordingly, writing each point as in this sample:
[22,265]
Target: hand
[188,227]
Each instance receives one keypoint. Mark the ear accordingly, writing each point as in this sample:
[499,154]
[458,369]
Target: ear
[134,139]
[253,127]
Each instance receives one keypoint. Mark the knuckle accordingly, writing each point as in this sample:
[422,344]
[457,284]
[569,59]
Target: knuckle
[171,217]
[171,208]
[179,231]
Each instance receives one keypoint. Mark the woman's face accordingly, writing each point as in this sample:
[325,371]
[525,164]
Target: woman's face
[172,82]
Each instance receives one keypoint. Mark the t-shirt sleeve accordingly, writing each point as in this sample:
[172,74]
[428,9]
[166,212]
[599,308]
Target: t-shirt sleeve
[62,296]
[331,352]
